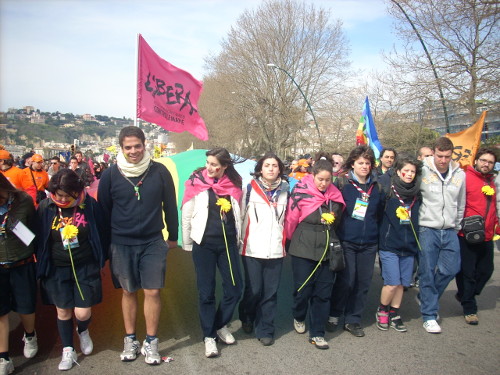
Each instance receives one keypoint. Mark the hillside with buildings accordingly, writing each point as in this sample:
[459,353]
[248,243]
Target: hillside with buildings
[52,133]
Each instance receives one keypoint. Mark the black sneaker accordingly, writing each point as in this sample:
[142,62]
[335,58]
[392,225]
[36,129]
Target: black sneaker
[397,324]
[247,326]
[332,324]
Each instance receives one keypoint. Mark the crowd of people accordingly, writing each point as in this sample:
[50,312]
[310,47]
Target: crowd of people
[32,172]
[428,220]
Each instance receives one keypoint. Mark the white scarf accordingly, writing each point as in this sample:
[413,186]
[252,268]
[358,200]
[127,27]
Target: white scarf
[130,169]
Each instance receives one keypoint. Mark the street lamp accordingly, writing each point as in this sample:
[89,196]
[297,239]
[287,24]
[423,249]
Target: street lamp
[274,66]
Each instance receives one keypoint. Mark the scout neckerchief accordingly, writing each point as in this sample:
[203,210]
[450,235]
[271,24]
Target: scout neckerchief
[408,207]
[136,186]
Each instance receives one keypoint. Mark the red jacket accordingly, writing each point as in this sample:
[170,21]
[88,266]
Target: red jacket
[476,201]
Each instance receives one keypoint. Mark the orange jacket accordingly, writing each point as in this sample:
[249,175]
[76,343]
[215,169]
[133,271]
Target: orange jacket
[15,176]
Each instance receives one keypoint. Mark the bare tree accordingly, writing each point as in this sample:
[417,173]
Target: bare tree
[267,110]
[462,38]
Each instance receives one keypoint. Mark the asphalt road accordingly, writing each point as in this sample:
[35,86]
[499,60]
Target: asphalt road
[460,349]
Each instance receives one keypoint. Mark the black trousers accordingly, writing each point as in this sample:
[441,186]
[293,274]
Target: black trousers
[476,269]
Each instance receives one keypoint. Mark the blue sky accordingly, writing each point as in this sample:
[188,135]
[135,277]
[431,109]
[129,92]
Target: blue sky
[79,55]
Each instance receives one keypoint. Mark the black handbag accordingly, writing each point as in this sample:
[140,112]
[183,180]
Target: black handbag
[336,256]
[473,226]
[473,229]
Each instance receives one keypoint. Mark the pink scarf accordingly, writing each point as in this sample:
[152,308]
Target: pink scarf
[199,181]
[305,199]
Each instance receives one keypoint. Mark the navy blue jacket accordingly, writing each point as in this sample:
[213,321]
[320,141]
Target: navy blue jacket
[361,232]
[46,213]
[130,221]
[393,236]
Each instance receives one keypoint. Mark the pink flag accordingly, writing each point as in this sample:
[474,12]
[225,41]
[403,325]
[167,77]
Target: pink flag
[168,96]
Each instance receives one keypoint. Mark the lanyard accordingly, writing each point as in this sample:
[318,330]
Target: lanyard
[365,196]
[3,230]
[136,186]
[401,201]
[61,218]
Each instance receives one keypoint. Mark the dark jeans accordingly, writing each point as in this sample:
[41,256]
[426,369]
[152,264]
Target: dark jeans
[316,294]
[260,299]
[206,258]
[476,269]
[351,286]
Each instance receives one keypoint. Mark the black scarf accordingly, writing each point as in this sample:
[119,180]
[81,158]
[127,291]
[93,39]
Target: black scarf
[404,189]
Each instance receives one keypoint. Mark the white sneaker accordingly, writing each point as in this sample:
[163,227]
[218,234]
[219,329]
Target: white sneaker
[300,327]
[130,349]
[30,346]
[86,344]
[150,351]
[210,347]
[432,326]
[6,367]
[226,336]
[319,342]
[68,357]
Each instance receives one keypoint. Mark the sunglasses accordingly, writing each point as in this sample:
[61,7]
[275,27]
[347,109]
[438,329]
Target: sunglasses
[54,162]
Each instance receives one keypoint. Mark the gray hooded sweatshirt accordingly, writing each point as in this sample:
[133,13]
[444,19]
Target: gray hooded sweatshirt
[443,200]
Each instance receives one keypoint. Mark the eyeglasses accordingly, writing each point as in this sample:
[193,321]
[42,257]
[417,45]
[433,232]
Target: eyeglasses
[486,161]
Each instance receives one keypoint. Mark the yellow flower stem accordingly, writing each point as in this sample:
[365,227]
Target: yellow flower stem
[319,262]
[74,273]
[227,249]
[416,237]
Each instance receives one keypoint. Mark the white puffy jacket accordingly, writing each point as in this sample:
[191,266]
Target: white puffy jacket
[263,233]
[195,216]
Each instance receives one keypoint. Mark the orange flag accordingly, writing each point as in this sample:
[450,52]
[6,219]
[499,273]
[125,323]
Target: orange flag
[467,142]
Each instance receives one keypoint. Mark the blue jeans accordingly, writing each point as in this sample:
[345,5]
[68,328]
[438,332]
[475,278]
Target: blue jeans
[315,294]
[439,263]
[351,286]
[260,299]
[206,258]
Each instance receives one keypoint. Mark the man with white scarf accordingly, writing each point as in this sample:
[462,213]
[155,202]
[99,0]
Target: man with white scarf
[134,194]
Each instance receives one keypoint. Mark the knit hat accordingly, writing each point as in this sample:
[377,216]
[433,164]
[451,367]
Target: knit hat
[4,154]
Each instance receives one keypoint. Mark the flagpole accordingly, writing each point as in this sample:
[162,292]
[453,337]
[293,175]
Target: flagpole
[136,77]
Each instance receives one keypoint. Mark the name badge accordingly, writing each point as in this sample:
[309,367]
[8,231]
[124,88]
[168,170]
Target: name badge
[71,242]
[406,221]
[23,233]
[360,208]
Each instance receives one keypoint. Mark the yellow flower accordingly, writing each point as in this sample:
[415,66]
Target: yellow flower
[224,204]
[402,213]
[488,190]
[328,218]
[69,231]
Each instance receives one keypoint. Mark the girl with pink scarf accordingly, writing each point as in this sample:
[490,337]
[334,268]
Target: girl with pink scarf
[314,209]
